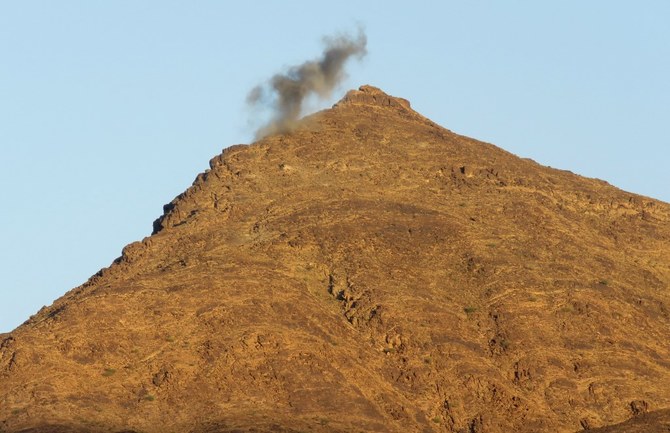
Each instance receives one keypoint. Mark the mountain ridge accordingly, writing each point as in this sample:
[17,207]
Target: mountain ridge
[368,271]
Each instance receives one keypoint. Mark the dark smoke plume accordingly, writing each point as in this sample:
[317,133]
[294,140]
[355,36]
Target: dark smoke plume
[286,93]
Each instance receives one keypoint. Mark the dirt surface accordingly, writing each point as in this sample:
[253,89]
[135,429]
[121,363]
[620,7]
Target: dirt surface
[369,272]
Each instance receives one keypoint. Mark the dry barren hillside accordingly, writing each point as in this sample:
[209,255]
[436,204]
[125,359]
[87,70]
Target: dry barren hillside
[370,271]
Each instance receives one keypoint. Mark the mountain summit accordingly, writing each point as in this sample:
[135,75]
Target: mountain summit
[369,271]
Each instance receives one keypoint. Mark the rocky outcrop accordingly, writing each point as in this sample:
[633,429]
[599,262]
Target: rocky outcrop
[369,95]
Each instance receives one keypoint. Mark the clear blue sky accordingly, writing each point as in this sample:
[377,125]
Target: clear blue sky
[109,109]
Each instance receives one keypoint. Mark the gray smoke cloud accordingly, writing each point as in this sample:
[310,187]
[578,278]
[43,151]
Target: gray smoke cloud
[286,93]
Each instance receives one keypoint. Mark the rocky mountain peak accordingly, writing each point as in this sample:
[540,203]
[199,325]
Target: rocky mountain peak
[368,271]
[370,95]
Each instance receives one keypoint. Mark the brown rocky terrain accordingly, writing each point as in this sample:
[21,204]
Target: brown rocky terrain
[652,422]
[370,271]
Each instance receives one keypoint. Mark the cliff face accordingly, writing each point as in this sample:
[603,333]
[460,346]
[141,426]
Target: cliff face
[370,271]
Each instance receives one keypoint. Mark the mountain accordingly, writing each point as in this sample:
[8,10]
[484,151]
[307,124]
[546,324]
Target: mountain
[369,271]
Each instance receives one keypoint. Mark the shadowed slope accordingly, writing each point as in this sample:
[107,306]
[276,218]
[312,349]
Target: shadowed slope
[371,271]
[654,422]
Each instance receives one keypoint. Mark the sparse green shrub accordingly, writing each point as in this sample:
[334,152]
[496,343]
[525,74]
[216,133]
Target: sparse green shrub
[437,420]
[108,372]
[149,397]
[470,309]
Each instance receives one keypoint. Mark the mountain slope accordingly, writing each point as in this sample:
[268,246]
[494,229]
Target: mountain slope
[370,271]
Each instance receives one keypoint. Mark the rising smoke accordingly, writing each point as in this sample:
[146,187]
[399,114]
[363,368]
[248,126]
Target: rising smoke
[286,93]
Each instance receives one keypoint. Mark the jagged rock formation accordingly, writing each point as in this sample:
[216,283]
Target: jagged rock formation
[369,272]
